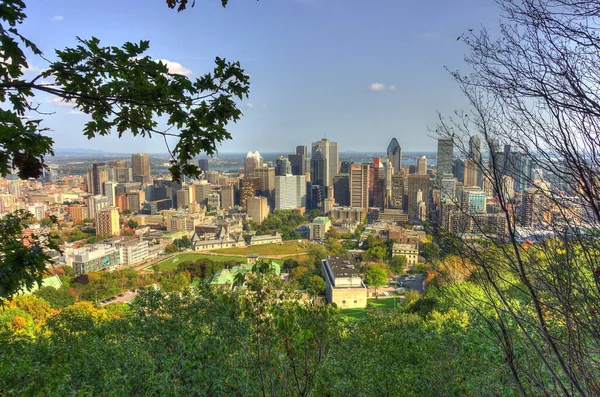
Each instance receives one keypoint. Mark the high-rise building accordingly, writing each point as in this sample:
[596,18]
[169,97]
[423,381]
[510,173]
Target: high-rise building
[417,183]
[214,201]
[341,189]
[298,160]
[95,204]
[473,200]
[394,154]
[257,208]
[471,173]
[107,222]
[135,200]
[183,198]
[359,185]
[330,151]
[253,160]
[97,174]
[318,168]
[447,185]
[397,193]
[283,166]
[290,191]
[140,163]
[227,196]
[422,165]
[117,164]
[199,192]
[248,188]
[203,165]
[110,192]
[77,212]
[475,149]
[377,184]
[266,183]
[445,156]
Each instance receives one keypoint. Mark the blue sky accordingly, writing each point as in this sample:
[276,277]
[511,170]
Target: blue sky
[359,71]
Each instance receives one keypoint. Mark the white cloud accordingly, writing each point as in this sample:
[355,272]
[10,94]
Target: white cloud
[58,17]
[249,105]
[60,102]
[75,112]
[381,87]
[175,67]
[30,69]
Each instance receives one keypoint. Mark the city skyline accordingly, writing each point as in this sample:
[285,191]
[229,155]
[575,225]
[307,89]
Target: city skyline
[334,79]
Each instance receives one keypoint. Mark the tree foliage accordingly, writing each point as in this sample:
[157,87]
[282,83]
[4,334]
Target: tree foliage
[121,88]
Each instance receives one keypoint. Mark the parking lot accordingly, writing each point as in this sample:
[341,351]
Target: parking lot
[414,282]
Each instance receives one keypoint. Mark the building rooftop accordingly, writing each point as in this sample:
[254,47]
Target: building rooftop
[321,220]
[343,266]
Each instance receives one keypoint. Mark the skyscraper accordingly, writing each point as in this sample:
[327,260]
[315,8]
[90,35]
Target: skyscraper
[141,167]
[394,154]
[445,156]
[203,165]
[253,160]
[318,168]
[283,166]
[290,191]
[422,165]
[330,151]
[417,183]
[266,184]
[377,184]
[96,176]
[359,185]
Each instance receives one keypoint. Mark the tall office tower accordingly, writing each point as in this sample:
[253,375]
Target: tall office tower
[359,185]
[14,188]
[471,173]
[248,188]
[121,175]
[377,184]
[458,170]
[117,164]
[227,196]
[110,192]
[318,194]
[394,154]
[283,166]
[298,160]
[473,200]
[345,167]
[445,157]
[416,183]
[97,174]
[318,168]
[341,189]
[203,165]
[397,193]
[266,183]
[257,208]
[121,202]
[183,198]
[475,148]
[253,160]
[214,201]
[199,192]
[135,200]
[95,204]
[107,222]
[290,191]
[447,187]
[141,167]
[422,165]
[330,151]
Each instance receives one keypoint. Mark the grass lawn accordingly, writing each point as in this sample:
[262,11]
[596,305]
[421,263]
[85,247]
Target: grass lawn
[287,248]
[171,263]
[384,304]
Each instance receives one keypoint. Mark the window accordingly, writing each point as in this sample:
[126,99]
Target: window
[355,301]
[343,302]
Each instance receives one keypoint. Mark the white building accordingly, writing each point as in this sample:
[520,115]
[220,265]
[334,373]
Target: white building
[290,191]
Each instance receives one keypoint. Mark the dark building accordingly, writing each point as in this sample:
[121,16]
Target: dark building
[341,189]
[298,160]
[203,165]
[154,207]
[345,167]
[248,188]
[283,166]
[376,185]
[318,168]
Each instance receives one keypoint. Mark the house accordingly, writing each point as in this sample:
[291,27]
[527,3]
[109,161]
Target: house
[344,286]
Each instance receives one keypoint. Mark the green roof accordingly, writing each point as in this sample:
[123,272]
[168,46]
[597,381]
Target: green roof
[175,235]
[321,220]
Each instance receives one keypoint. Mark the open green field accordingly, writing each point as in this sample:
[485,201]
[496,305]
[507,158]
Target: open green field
[287,248]
[171,263]
[384,304]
